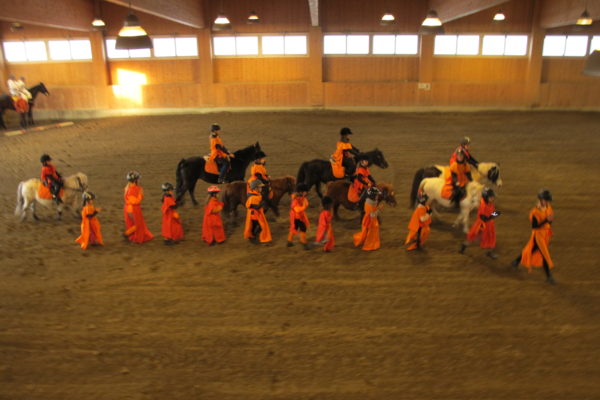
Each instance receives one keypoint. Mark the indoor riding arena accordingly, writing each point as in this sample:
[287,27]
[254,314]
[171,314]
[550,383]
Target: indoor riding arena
[459,138]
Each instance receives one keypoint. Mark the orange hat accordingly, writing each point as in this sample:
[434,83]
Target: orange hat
[213,189]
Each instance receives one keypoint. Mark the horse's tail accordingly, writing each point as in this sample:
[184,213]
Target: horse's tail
[180,181]
[20,200]
[302,173]
[419,175]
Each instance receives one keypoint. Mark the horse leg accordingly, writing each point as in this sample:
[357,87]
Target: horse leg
[336,207]
[318,188]
[191,190]
[23,120]
[2,125]
[33,207]
[30,115]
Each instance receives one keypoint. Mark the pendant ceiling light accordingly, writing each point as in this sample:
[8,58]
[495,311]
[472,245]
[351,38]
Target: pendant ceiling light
[584,18]
[387,19]
[499,16]
[132,36]
[253,18]
[97,23]
[221,22]
[432,24]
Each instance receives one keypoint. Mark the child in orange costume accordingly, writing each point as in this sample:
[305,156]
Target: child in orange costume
[418,227]
[484,229]
[536,253]
[298,219]
[212,225]
[368,237]
[257,227]
[172,230]
[325,229]
[135,226]
[90,226]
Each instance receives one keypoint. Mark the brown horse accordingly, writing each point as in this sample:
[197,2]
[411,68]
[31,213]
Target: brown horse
[234,194]
[338,191]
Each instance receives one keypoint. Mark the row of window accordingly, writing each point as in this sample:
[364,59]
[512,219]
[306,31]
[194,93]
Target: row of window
[282,45]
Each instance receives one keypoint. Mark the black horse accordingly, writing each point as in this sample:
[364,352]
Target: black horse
[189,170]
[6,103]
[318,171]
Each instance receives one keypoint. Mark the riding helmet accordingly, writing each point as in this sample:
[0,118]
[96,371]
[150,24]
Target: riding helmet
[133,176]
[545,194]
[487,193]
[166,187]
[301,187]
[373,192]
[44,158]
[465,141]
[255,184]
[214,189]
[422,198]
[215,127]
[87,196]
[345,131]
[259,155]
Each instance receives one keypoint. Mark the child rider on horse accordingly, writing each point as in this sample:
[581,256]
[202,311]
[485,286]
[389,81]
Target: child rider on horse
[51,178]
[218,152]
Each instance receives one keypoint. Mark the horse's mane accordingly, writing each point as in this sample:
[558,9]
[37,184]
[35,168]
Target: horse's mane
[246,151]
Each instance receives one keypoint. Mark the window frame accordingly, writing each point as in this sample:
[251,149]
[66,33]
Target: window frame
[47,46]
[371,41]
[260,52]
[590,38]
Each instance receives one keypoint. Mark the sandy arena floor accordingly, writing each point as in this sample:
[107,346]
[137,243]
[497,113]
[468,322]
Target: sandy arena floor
[244,322]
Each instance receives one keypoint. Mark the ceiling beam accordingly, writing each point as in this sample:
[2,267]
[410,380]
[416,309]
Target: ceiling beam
[565,12]
[449,10]
[64,14]
[313,5]
[185,12]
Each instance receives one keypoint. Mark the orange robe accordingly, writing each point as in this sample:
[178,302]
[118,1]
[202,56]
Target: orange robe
[90,228]
[214,152]
[171,222]
[539,240]
[418,231]
[355,190]
[460,170]
[484,230]
[258,169]
[298,212]
[325,230]
[258,215]
[338,156]
[134,195]
[368,237]
[212,224]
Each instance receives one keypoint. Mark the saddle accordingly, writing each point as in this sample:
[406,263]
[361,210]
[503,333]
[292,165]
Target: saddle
[44,192]
[337,169]
[211,166]
[21,105]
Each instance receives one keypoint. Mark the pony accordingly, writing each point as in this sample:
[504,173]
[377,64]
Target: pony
[314,172]
[235,193]
[28,197]
[487,174]
[6,103]
[338,191]
[433,188]
[189,170]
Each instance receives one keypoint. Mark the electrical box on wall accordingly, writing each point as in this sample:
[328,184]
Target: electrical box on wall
[424,86]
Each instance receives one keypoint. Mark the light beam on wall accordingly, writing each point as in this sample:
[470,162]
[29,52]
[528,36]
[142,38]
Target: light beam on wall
[129,85]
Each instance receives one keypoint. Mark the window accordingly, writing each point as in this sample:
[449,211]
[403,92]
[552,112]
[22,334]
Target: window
[456,45]
[114,53]
[504,45]
[283,45]
[70,50]
[346,44]
[235,45]
[565,46]
[25,51]
[595,44]
[175,47]
[395,44]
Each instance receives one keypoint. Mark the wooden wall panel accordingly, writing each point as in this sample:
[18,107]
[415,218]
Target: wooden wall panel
[255,95]
[157,71]
[565,70]
[570,95]
[370,94]
[479,69]
[370,69]
[54,74]
[68,98]
[263,69]
[478,94]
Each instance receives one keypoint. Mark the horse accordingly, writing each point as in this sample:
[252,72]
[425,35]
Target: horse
[433,188]
[7,103]
[338,191]
[487,173]
[189,170]
[235,193]
[28,196]
[315,172]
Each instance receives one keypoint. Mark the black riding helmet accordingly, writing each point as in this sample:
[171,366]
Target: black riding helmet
[487,193]
[45,158]
[544,194]
[166,187]
[373,192]
[345,131]
[422,198]
[215,127]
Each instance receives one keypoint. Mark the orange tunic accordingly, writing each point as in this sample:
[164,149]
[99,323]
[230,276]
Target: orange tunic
[134,195]
[484,230]
[338,156]
[258,169]
[48,171]
[418,230]
[252,214]
[171,222]
[536,250]
[214,152]
[298,212]
[357,186]
[90,228]
[368,237]
[325,230]
[212,224]
[460,170]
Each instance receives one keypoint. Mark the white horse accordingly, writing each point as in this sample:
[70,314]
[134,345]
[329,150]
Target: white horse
[27,196]
[433,188]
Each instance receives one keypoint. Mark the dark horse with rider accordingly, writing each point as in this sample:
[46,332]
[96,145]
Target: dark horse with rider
[7,103]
